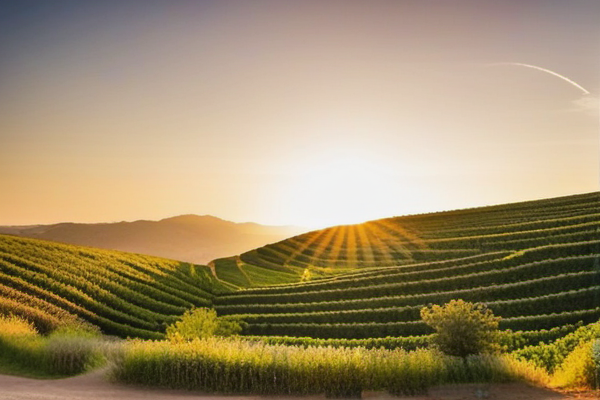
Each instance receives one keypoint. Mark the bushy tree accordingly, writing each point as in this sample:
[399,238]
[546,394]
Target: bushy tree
[202,323]
[462,328]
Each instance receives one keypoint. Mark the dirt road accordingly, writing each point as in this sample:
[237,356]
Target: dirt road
[95,386]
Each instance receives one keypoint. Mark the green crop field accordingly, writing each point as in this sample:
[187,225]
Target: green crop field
[350,295]
[536,264]
[123,294]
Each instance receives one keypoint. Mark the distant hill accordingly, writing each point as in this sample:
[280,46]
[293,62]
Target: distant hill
[192,238]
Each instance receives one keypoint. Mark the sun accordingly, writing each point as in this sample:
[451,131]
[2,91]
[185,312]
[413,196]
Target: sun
[340,188]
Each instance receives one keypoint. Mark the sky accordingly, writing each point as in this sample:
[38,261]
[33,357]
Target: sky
[311,113]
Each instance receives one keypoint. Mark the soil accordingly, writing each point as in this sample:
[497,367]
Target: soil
[96,386]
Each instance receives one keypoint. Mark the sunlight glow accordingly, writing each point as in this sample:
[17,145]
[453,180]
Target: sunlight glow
[341,188]
[306,113]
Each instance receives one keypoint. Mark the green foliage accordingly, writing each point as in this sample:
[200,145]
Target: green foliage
[369,280]
[490,274]
[462,328]
[127,295]
[551,355]
[68,351]
[366,330]
[543,294]
[306,275]
[228,327]
[239,367]
[228,270]
[240,273]
[407,343]
[428,238]
[73,352]
[202,323]
[509,340]
[579,369]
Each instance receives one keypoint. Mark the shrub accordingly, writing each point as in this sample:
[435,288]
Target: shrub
[552,355]
[462,328]
[74,349]
[579,368]
[306,275]
[202,323]
[596,355]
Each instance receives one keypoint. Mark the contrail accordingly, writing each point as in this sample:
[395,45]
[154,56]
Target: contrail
[564,78]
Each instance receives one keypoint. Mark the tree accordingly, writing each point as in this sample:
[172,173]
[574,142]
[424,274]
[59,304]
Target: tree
[202,323]
[462,328]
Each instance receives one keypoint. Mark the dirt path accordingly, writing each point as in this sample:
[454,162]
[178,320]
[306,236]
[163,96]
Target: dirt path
[95,386]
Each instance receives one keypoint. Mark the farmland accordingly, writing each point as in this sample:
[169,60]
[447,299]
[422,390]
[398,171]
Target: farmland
[535,264]
[123,294]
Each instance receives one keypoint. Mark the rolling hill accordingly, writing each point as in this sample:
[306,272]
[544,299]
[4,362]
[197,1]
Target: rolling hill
[536,264]
[425,238]
[191,238]
[124,294]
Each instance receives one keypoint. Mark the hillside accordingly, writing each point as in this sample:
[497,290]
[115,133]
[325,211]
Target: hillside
[122,293]
[191,238]
[536,264]
[423,238]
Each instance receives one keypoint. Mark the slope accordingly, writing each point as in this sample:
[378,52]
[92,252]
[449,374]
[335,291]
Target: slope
[415,239]
[536,264]
[122,293]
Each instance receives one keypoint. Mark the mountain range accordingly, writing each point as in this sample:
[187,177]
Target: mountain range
[192,238]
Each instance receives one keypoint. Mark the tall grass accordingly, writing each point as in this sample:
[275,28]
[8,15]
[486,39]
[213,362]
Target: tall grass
[236,366]
[67,351]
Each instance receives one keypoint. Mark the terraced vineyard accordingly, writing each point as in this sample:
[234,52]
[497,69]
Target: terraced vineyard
[536,264]
[122,293]
[399,241]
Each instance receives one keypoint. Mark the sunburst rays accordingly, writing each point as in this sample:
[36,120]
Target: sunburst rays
[378,243]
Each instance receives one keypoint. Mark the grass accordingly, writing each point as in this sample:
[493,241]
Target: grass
[536,264]
[15,368]
[67,351]
[367,280]
[241,367]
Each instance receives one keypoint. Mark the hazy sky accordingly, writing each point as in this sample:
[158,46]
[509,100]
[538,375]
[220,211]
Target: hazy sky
[292,112]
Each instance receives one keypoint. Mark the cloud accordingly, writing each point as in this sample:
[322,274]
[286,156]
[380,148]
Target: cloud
[588,104]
